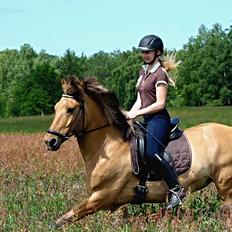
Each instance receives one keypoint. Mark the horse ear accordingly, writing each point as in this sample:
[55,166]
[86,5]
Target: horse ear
[73,80]
[63,82]
[82,83]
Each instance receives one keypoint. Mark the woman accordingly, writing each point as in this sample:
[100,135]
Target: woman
[152,89]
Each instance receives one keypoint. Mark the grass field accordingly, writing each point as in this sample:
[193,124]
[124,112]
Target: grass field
[25,124]
[38,186]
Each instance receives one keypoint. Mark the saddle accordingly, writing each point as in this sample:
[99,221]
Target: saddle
[177,153]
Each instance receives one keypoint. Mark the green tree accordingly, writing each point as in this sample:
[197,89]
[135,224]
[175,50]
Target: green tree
[203,73]
[71,64]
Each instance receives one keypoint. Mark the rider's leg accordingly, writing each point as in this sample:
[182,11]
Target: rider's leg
[162,167]
[160,129]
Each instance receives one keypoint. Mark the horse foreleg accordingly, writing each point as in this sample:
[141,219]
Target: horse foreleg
[86,207]
[66,218]
[73,214]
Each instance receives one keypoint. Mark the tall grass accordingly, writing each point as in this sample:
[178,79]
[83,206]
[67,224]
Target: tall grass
[38,186]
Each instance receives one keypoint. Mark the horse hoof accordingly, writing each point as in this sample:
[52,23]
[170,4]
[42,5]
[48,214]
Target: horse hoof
[59,223]
[52,226]
[66,218]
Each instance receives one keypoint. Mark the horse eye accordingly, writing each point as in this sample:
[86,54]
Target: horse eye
[70,110]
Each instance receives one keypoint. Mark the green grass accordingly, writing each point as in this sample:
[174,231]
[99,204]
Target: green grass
[191,116]
[25,124]
[34,202]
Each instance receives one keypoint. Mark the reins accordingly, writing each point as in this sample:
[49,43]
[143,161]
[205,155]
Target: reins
[92,130]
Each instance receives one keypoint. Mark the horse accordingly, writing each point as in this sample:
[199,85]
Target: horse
[91,113]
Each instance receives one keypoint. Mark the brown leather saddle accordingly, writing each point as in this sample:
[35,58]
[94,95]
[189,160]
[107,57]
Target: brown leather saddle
[177,153]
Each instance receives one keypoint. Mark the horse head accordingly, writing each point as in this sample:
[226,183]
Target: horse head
[85,106]
[69,114]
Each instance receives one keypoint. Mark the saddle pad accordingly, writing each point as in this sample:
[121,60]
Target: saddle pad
[180,156]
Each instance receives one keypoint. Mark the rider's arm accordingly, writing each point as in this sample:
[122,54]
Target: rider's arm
[137,104]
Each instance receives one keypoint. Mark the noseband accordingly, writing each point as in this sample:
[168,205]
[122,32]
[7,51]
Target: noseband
[81,113]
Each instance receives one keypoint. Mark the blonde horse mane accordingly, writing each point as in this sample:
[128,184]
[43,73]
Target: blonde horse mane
[106,100]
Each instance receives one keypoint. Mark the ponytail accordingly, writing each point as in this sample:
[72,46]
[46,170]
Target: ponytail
[169,64]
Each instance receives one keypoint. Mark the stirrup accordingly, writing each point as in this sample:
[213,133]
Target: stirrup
[176,198]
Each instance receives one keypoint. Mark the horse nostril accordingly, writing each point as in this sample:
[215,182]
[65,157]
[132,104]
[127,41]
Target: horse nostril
[52,143]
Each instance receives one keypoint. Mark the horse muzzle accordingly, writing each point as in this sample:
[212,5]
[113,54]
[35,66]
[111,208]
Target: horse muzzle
[52,143]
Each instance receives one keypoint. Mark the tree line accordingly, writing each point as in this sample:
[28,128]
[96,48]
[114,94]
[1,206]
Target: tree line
[30,81]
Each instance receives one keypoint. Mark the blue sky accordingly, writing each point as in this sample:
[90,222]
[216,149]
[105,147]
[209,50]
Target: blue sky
[87,26]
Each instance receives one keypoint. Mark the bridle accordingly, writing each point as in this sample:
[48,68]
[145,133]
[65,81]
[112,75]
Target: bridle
[76,133]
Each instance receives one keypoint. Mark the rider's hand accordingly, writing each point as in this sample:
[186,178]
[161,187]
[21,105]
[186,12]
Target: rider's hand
[132,114]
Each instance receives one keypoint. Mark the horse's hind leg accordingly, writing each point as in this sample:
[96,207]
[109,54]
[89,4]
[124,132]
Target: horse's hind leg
[223,182]
[226,213]
[226,210]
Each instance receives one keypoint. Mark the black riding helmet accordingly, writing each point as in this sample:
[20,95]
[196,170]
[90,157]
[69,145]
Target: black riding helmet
[151,42]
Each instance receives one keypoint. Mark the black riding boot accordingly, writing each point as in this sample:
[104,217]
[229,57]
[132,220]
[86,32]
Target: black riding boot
[161,166]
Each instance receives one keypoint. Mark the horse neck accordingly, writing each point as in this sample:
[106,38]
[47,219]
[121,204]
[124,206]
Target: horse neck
[99,147]
[98,144]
